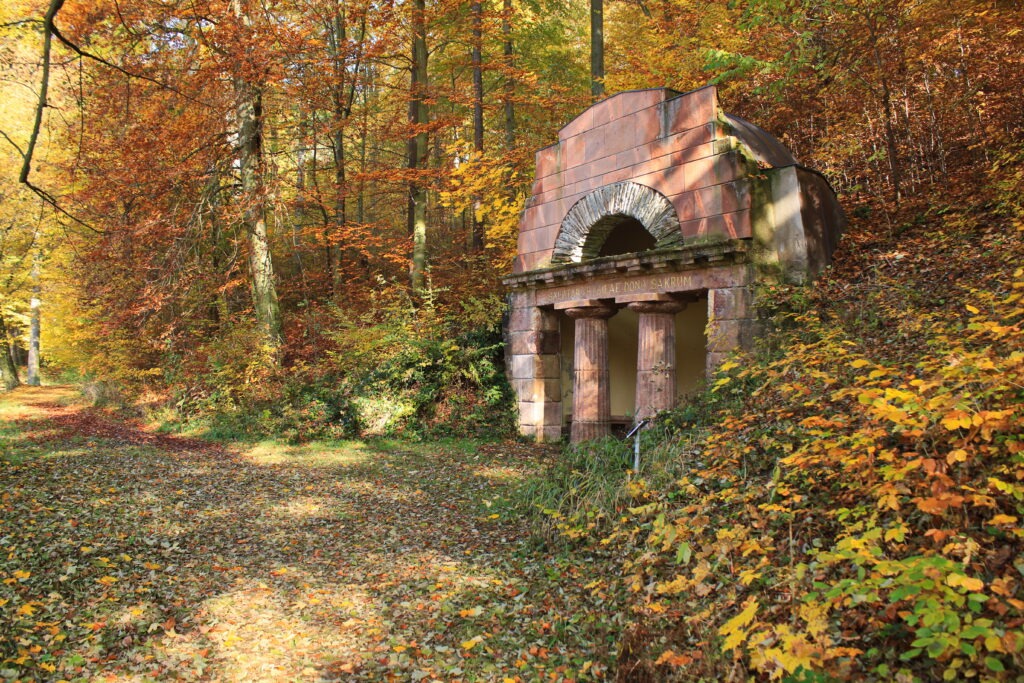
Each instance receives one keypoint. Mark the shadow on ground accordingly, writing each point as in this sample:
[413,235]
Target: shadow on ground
[144,556]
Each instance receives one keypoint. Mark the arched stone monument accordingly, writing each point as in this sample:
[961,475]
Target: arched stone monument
[650,221]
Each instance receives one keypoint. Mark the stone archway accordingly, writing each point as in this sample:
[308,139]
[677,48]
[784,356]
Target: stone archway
[590,220]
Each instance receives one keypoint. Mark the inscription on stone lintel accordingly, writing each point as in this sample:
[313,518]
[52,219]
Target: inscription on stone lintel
[654,284]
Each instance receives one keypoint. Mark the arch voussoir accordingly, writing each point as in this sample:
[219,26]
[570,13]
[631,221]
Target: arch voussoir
[577,239]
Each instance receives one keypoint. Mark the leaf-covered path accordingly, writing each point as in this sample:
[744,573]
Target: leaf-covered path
[128,555]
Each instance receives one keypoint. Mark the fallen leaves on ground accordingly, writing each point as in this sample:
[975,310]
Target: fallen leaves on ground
[129,555]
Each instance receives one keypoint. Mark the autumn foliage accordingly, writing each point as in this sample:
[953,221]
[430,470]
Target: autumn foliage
[850,505]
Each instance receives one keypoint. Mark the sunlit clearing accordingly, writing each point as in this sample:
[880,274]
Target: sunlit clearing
[316,454]
[300,508]
[499,474]
[259,634]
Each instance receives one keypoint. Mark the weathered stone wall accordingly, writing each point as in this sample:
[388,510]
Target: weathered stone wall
[672,143]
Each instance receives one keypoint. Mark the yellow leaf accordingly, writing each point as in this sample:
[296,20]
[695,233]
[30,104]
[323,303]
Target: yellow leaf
[859,363]
[471,643]
[21,574]
[107,580]
[969,583]
[972,309]
[27,609]
[959,455]
[1002,519]
[735,629]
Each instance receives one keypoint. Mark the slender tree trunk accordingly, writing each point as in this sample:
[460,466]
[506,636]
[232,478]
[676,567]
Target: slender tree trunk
[596,48]
[418,148]
[264,292]
[337,42]
[476,222]
[33,334]
[510,81]
[8,371]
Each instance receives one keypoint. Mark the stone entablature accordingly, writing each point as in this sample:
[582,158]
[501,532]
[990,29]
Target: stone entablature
[693,208]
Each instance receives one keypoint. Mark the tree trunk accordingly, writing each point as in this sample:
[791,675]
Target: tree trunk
[336,42]
[418,148]
[476,223]
[510,81]
[597,48]
[254,219]
[8,371]
[33,334]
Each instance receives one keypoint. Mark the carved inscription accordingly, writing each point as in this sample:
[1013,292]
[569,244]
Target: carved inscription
[692,281]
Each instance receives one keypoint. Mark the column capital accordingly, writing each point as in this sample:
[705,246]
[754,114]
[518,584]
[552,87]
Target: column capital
[600,311]
[656,306]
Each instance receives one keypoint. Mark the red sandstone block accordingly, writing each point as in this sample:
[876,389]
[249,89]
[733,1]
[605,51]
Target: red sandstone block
[553,212]
[573,151]
[737,224]
[632,156]
[616,176]
[583,122]
[547,183]
[640,99]
[547,161]
[530,220]
[707,201]
[585,187]
[534,260]
[606,110]
[598,168]
[693,109]
[699,173]
[685,156]
[668,181]
[538,239]
[567,193]
[684,140]
[684,205]
[646,125]
[656,164]
[721,168]
[733,196]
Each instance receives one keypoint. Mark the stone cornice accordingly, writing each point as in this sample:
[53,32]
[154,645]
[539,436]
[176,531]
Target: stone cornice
[690,257]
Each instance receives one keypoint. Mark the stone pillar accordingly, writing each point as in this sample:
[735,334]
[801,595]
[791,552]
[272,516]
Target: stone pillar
[534,369]
[591,399]
[656,358]
[731,323]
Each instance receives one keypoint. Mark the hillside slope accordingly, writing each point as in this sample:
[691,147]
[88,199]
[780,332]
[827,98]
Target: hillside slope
[847,502]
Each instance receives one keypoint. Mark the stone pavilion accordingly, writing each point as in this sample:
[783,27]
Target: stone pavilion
[651,221]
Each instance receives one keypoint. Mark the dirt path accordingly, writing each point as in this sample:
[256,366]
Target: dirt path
[128,555]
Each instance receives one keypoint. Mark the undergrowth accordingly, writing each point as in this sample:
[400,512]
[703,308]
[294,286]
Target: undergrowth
[847,501]
[401,370]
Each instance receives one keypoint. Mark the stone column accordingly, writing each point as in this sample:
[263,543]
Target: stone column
[591,398]
[656,357]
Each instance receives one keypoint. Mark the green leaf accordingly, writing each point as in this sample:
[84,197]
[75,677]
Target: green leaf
[684,553]
[994,664]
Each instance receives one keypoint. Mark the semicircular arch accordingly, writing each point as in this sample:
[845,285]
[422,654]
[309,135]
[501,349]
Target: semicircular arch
[590,220]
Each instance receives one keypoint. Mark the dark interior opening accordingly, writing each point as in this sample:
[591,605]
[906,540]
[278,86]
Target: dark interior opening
[628,236]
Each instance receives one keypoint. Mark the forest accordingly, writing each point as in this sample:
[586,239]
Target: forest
[284,221]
